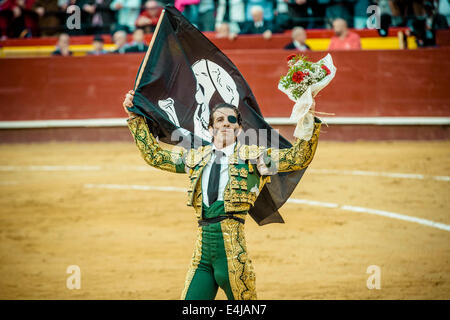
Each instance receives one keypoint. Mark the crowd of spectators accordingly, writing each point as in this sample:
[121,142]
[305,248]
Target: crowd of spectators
[119,38]
[229,18]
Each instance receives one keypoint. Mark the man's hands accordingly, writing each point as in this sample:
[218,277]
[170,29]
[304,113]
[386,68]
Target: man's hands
[128,103]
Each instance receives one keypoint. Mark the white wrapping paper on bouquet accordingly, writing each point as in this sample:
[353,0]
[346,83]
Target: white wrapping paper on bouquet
[300,111]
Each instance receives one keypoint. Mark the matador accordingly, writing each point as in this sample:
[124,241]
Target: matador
[225,179]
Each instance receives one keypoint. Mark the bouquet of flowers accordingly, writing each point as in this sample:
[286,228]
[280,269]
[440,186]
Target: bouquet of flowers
[301,84]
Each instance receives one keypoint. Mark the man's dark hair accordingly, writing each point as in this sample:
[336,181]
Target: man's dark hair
[221,106]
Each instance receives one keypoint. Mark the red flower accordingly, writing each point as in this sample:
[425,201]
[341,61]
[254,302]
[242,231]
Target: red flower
[290,57]
[324,67]
[298,76]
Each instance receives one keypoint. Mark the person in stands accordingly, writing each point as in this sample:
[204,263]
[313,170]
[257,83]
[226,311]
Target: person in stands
[343,38]
[298,40]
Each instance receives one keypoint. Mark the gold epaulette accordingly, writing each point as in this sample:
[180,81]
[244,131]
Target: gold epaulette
[194,156]
[252,152]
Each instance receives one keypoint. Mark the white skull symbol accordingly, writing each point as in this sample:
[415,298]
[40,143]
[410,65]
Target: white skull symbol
[211,78]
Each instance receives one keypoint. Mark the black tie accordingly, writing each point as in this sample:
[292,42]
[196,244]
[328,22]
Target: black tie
[214,177]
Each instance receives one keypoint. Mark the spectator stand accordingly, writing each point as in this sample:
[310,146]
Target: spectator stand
[317,40]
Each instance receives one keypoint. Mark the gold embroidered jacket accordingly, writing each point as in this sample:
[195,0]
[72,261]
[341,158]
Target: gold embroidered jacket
[246,178]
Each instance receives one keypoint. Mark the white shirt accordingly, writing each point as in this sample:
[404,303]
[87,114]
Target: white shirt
[259,24]
[223,180]
[299,46]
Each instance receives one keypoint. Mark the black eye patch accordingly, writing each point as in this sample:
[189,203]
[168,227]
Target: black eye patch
[232,119]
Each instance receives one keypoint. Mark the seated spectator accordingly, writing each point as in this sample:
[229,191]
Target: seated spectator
[120,40]
[363,19]
[444,9]
[49,14]
[148,19]
[127,13]
[360,14]
[86,11]
[318,8]
[339,9]
[98,46]
[258,25]
[102,17]
[298,40]
[435,20]
[268,7]
[298,12]
[138,44]
[281,15]
[30,19]
[17,19]
[206,15]
[11,18]
[424,28]
[385,18]
[404,11]
[343,38]
[385,23]
[62,48]
[231,12]
[222,30]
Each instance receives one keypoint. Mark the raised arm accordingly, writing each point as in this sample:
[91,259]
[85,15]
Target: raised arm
[298,157]
[148,146]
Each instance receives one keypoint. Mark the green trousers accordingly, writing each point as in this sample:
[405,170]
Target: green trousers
[220,260]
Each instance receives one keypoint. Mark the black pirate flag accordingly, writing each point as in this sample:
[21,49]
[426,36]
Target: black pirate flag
[184,77]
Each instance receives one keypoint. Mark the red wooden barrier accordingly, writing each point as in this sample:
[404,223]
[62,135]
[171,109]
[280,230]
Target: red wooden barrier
[368,83]
[443,38]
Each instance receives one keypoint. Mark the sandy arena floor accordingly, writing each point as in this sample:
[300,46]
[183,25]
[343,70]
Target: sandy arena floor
[59,207]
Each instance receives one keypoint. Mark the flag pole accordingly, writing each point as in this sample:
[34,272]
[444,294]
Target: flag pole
[144,63]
